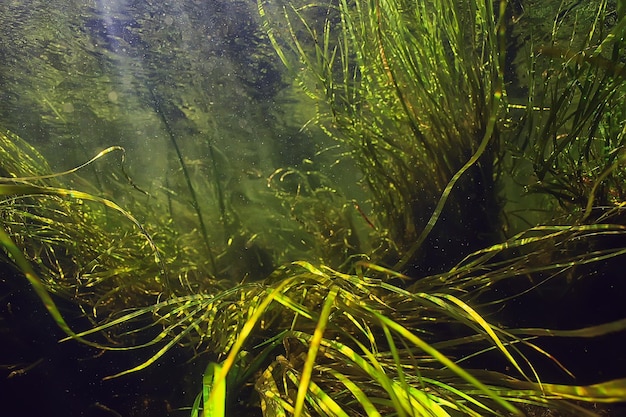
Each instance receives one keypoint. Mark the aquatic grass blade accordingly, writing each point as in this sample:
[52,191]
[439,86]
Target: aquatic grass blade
[427,348]
[38,285]
[305,377]
[319,399]
[357,392]
[421,403]
[245,332]
[34,190]
[213,392]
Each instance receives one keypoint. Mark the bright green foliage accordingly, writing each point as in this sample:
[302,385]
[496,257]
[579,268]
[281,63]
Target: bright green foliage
[573,130]
[414,91]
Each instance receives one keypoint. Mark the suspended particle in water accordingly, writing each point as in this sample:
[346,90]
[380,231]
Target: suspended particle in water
[112,96]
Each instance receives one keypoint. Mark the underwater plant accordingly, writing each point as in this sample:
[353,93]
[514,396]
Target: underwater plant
[416,94]
[318,341]
[572,132]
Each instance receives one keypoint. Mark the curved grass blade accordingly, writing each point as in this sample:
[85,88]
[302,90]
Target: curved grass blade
[421,403]
[305,378]
[318,398]
[39,287]
[173,342]
[83,165]
[605,392]
[33,190]
[245,332]
[213,393]
[267,27]
[444,360]
[477,318]
[272,404]
[357,392]
[591,331]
